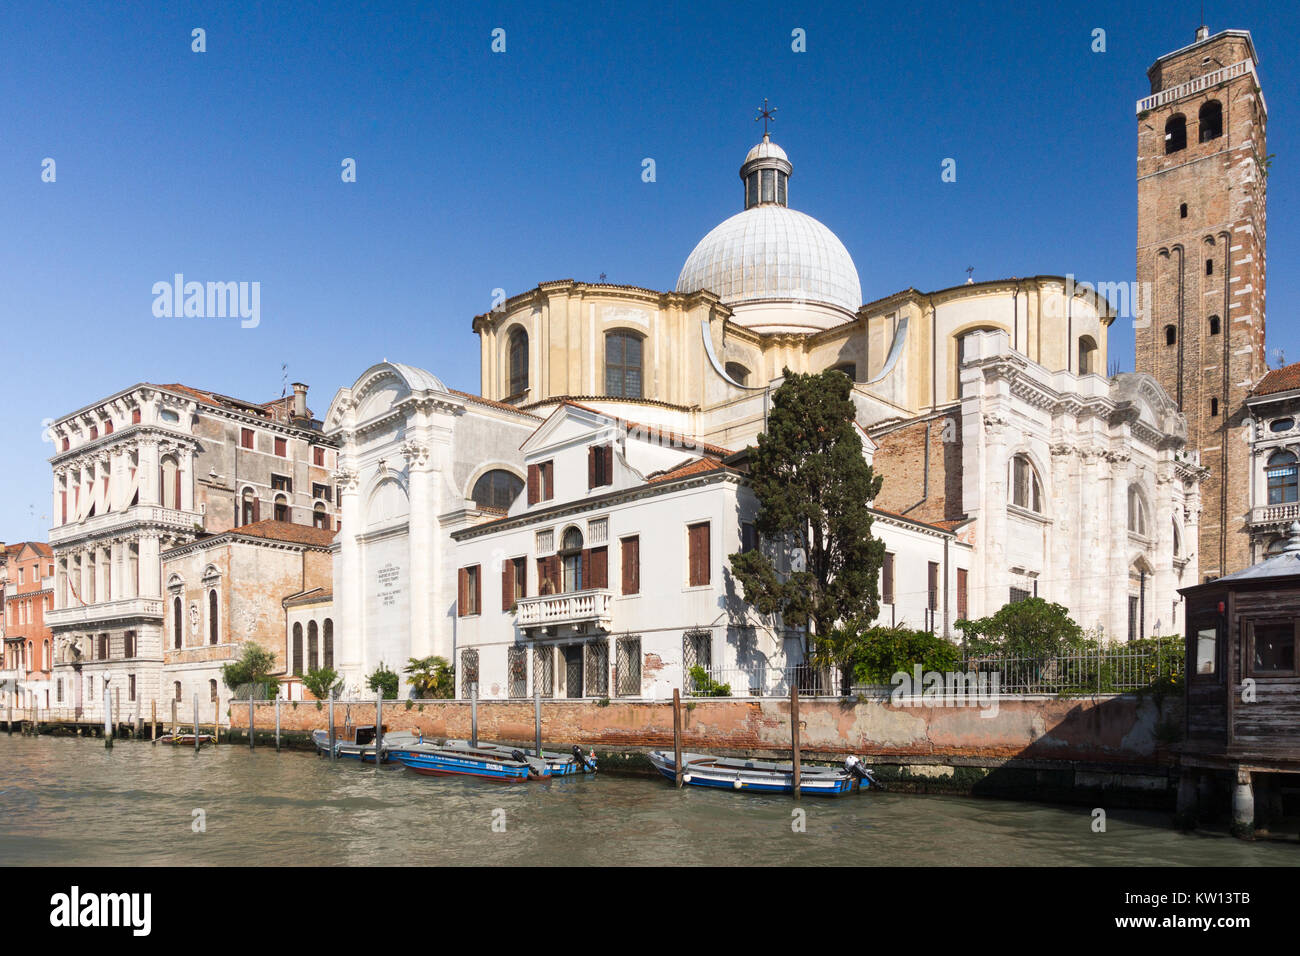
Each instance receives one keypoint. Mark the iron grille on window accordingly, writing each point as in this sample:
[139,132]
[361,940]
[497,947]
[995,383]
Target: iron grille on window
[598,668]
[697,651]
[468,670]
[628,666]
[544,671]
[1018,595]
[518,672]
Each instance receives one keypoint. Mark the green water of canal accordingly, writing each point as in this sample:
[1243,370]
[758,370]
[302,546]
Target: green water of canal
[71,802]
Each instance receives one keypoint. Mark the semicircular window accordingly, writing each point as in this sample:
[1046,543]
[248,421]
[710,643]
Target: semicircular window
[1281,424]
[497,489]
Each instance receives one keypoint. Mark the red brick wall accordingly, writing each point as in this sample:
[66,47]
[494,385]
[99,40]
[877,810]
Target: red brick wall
[901,460]
[1102,729]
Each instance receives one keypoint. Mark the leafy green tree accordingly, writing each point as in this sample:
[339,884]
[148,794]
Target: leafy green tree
[254,666]
[1033,628]
[384,680]
[876,654]
[321,680]
[431,678]
[702,685]
[813,485]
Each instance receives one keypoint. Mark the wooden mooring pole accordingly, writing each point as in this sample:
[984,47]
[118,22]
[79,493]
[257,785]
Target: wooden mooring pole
[251,729]
[331,725]
[153,719]
[174,724]
[108,717]
[473,714]
[139,722]
[277,723]
[197,728]
[537,719]
[794,733]
[379,724]
[677,736]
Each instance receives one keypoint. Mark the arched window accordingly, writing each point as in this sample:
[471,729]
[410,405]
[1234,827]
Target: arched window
[738,373]
[1026,489]
[1214,325]
[1175,133]
[329,642]
[571,560]
[176,689]
[212,691]
[313,648]
[281,508]
[1178,540]
[319,519]
[45,656]
[1211,121]
[1137,511]
[213,629]
[169,482]
[1171,335]
[518,352]
[623,364]
[1087,355]
[1214,407]
[297,649]
[1281,473]
[497,489]
[178,626]
[248,507]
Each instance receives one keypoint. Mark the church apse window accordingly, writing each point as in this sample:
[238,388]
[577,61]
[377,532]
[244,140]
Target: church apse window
[497,489]
[1214,325]
[1282,478]
[1137,512]
[738,373]
[1214,408]
[1171,335]
[1087,355]
[1175,133]
[1182,211]
[623,354]
[1026,489]
[1211,121]
[518,356]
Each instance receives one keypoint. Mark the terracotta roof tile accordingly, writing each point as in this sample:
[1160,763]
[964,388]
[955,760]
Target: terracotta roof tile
[1279,380]
[699,466]
[274,530]
[655,431]
[492,403]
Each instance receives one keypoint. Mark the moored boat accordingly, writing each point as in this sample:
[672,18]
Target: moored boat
[761,776]
[459,759]
[183,740]
[358,743]
[561,764]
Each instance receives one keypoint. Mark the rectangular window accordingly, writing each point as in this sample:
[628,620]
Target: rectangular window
[598,570]
[282,448]
[627,667]
[541,482]
[963,608]
[135,416]
[1207,649]
[514,582]
[1134,612]
[600,466]
[932,584]
[281,482]
[887,579]
[321,491]
[470,593]
[1018,595]
[631,560]
[698,558]
[130,687]
[318,456]
[748,536]
[1273,648]
[245,438]
[128,644]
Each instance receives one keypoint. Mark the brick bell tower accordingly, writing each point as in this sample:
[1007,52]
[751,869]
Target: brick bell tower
[1201,174]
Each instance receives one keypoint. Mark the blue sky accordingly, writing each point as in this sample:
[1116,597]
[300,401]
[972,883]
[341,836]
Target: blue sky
[478,170]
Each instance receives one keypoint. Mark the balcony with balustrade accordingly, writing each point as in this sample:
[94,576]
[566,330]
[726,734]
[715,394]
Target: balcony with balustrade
[591,606]
[125,609]
[151,515]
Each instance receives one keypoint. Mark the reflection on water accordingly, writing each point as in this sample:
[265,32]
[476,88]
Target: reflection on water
[71,802]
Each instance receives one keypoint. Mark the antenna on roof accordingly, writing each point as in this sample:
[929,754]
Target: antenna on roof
[284,379]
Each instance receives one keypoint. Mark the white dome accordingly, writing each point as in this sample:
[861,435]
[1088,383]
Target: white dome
[771,251]
[766,150]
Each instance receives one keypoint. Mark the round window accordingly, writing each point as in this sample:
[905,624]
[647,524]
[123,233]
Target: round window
[1281,424]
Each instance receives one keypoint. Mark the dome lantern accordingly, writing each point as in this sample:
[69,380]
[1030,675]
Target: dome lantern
[766,174]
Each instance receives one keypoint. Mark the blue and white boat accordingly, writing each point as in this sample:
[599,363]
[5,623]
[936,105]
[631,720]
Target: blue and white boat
[457,759]
[561,764]
[358,743]
[761,776]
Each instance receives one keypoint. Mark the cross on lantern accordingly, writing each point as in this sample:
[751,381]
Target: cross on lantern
[766,114]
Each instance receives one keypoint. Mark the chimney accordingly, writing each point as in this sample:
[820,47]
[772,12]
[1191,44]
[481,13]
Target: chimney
[299,400]
[1202,32]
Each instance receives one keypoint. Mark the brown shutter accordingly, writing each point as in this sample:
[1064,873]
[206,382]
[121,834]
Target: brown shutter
[698,543]
[609,464]
[460,592]
[549,474]
[507,584]
[600,567]
[478,590]
[541,577]
[532,484]
[586,569]
[591,467]
[257,509]
[631,565]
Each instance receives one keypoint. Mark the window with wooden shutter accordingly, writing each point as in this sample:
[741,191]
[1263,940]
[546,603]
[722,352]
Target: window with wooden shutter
[933,586]
[548,480]
[600,466]
[477,585]
[507,585]
[599,568]
[245,438]
[961,593]
[631,561]
[592,454]
[887,579]
[460,592]
[532,485]
[698,546]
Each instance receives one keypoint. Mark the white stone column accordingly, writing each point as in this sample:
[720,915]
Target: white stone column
[84,586]
[185,462]
[420,531]
[1119,546]
[349,632]
[148,472]
[115,571]
[150,567]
